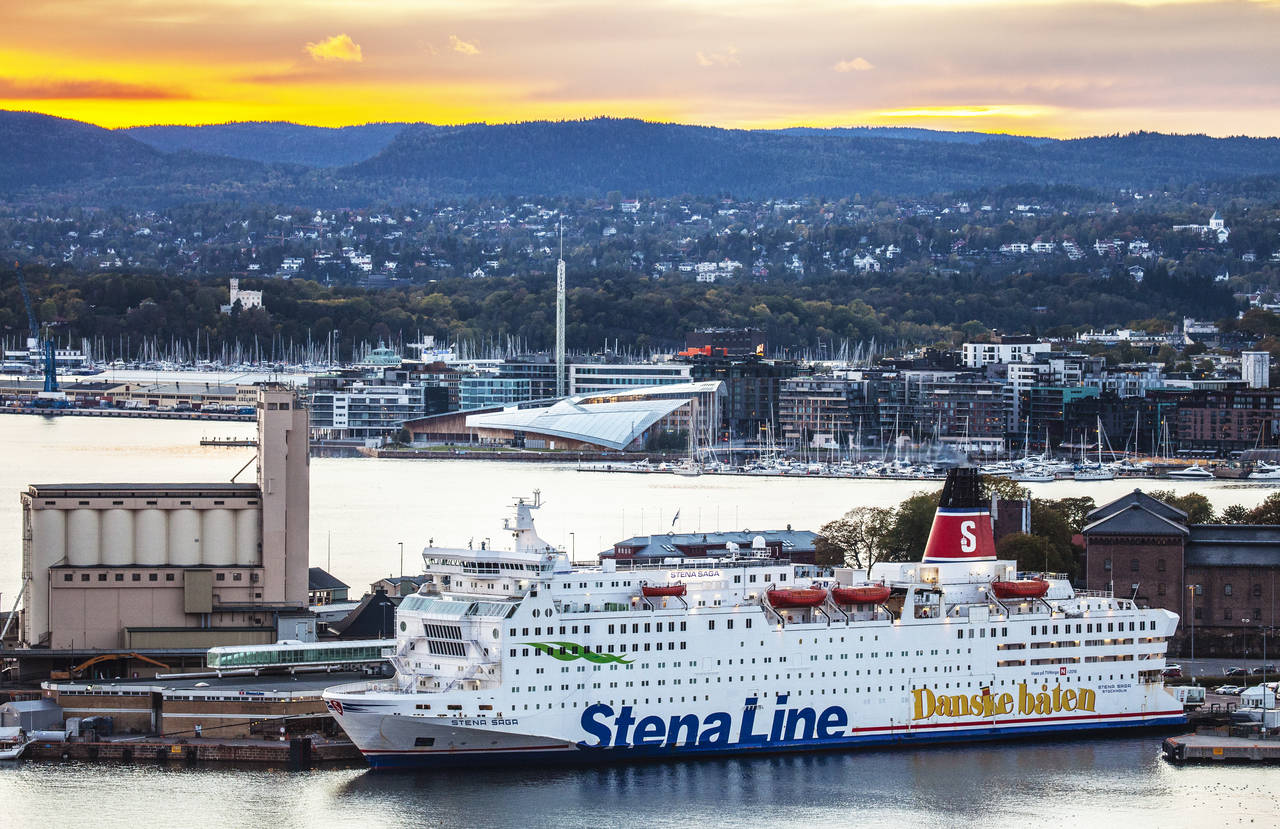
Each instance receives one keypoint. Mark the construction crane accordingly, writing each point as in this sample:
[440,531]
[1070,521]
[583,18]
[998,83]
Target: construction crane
[50,392]
[104,657]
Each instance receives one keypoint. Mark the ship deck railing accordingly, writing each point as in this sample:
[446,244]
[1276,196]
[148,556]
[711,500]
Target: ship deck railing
[366,687]
[633,565]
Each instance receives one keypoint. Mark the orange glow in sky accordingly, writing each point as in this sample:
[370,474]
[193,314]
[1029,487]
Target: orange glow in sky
[1045,67]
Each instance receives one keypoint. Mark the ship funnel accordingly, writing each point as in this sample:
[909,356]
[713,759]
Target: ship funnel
[962,525]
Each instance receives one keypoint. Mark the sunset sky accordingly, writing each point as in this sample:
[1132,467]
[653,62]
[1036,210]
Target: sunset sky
[1039,67]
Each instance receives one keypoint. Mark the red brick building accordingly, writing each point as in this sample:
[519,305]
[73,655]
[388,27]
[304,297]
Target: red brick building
[1223,580]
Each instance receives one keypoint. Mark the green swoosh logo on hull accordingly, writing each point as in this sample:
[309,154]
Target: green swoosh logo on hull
[569,651]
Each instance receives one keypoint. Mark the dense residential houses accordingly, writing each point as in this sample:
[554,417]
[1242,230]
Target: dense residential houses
[707,240]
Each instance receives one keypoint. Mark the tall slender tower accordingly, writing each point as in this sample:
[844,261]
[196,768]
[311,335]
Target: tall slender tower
[560,369]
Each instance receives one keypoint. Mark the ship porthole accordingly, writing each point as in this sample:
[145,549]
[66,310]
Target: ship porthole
[403,627]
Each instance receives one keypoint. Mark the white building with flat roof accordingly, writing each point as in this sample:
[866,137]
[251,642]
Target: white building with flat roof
[589,378]
[977,355]
[1255,369]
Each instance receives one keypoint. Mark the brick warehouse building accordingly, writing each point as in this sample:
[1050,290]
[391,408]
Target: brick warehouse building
[1223,580]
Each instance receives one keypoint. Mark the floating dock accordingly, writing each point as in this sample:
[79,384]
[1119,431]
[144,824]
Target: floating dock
[228,442]
[1220,748]
[298,753]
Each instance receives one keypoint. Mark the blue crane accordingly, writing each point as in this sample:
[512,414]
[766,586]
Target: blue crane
[46,346]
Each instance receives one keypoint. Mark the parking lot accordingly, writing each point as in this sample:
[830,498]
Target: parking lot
[1216,668]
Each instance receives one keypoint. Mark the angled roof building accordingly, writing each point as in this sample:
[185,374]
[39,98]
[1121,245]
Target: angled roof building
[1223,580]
[619,419]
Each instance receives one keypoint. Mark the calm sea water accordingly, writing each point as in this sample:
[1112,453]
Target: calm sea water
[1114,782]
[362,509]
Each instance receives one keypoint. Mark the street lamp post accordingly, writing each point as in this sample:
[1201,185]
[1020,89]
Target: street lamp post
[1244,637]
[1191,607]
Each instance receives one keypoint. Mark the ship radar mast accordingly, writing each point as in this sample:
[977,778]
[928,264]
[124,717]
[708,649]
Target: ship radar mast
[522,529]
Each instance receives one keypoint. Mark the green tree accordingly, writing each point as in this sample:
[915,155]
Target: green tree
[1005,488]
[855,539]
[1195,505]
[1234,514]
[909,532]
[1051,525]
[1075,510]
[1268,512]
[1034,553]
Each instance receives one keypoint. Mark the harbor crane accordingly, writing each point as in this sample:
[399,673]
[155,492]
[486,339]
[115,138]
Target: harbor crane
[50,395]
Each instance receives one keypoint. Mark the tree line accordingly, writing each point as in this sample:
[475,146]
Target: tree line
[865,535]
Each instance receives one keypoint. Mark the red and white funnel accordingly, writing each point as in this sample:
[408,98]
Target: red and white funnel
[962,525]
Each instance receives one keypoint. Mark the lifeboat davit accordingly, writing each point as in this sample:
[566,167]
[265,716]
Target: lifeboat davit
[798,597]
[652,591]
[1020,589]
[862,594]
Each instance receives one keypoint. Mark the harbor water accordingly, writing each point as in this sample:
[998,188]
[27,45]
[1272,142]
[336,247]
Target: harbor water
[362,509]
[1083,783]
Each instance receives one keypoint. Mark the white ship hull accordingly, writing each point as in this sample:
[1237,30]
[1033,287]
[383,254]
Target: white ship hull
[518,656]
[401,740]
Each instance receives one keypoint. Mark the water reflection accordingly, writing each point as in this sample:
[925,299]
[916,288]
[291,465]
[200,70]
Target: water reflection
[1083,782]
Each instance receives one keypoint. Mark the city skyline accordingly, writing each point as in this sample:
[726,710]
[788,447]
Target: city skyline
[1061,68]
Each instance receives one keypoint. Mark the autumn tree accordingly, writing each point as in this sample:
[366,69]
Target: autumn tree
[856,538]
[1195,505]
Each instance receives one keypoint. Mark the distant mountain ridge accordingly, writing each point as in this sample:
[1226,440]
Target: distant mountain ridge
[916,134]
[598,155]
[273,142]
[48,157]
[43,150]
[284,142]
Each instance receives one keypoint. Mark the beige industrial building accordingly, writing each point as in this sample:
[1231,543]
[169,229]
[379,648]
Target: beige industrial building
[174,566]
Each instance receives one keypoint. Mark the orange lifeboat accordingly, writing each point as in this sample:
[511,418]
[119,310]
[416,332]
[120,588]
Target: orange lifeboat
[1020,589]
[797,597]
[652,591]
[862,594]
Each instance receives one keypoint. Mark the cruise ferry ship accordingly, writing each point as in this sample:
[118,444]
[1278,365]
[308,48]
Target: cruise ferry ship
[519,655]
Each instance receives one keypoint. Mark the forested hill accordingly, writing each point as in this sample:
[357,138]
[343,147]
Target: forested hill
[595,156]
[50,159]
[274,142]
[42,150]
[915,134]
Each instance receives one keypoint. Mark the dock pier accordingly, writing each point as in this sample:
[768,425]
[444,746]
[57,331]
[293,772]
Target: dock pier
[1214,747]
[294,754]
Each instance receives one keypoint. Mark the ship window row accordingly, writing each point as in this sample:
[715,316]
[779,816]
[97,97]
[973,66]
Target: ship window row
[728,624]
[1112,627]
[870,689]
[982,633]
[751,577]
[657,627]
[564,629]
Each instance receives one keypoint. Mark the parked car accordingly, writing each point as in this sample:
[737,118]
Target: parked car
[1236,670]
[1171,672]
[1229,690]
[1265,669]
